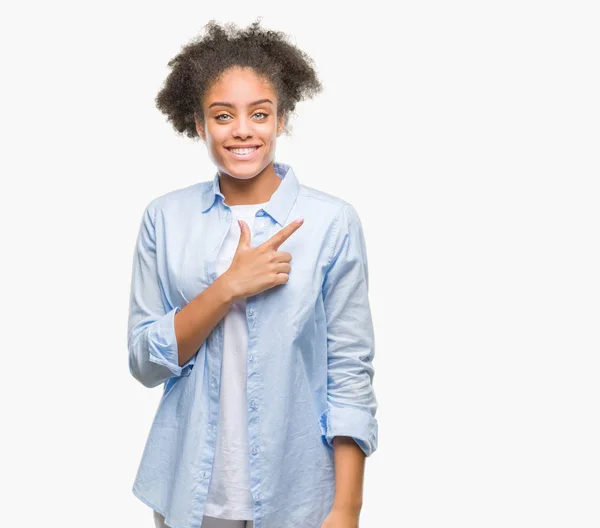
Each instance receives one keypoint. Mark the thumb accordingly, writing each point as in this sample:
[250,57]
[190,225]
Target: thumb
[244,235]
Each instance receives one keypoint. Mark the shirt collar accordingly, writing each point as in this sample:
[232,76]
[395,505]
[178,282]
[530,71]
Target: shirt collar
[281,202]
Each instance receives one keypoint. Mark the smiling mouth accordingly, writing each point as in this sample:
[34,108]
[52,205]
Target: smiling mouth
[241,153]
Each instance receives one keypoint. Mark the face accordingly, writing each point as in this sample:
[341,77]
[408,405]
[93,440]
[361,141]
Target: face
[240,125]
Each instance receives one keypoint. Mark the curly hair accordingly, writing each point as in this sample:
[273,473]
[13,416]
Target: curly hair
[202,62]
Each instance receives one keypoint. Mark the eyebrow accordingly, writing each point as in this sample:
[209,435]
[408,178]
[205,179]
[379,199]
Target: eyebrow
[222,103]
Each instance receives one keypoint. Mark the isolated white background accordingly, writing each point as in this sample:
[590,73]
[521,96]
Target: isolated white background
[466,134]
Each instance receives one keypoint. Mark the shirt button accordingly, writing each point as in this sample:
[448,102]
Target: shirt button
[214,382]
[251,357]
[257,496]
[251,312]
[253,404]
[254,450]
[204,474]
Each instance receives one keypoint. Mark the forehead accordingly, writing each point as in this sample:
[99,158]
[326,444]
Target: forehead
[239,86]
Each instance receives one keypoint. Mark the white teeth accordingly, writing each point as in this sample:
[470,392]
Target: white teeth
[243,151]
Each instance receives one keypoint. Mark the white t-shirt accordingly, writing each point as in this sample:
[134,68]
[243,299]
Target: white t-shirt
[229,495]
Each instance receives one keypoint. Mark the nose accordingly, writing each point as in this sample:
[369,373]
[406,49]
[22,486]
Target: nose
[242,128]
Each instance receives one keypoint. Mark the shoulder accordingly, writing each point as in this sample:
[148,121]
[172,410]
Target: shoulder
[337,210]
[327,204]
[338,217]
[178,200]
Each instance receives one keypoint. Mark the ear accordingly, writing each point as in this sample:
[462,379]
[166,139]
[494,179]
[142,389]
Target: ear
[200,127]
[280,124]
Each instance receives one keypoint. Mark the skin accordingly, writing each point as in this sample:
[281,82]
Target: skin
[255,269]
[242,123]
[349,461]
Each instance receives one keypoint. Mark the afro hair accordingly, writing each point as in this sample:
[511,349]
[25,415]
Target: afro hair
[203,61]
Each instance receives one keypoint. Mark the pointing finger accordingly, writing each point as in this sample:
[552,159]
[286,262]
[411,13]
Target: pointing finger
[279,238]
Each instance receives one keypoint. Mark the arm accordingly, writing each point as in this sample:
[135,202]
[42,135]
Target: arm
[162,340]
[349,475]
[197,319]
[351,398]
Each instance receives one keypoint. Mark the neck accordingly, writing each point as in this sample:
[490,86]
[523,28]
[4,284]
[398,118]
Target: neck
[251,191]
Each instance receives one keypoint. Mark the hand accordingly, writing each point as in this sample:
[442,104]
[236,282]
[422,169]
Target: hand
[341,518]
[254,270]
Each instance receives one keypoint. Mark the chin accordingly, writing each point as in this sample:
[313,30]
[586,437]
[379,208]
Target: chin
[244,172]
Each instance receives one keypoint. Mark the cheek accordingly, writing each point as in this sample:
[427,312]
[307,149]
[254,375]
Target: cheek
[215,139]
[271,135]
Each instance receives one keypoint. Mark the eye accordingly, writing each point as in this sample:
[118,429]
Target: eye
[263,114]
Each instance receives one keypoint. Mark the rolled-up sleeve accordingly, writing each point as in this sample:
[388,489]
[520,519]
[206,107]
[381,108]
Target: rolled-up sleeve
[351,400]
[151,339]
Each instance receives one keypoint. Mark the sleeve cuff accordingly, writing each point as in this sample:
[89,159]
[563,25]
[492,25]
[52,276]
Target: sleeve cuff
[162,345]
[350,421]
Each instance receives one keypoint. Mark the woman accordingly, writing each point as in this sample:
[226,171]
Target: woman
[268,407]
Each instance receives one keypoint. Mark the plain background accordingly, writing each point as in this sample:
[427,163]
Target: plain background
[466,134]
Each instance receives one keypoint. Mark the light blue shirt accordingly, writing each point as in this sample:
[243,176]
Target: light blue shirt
[309,357]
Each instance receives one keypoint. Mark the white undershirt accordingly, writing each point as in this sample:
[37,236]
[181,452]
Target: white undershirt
[229,495]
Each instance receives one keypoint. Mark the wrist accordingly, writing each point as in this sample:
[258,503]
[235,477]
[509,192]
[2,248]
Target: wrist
[227,288]
[347,507]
